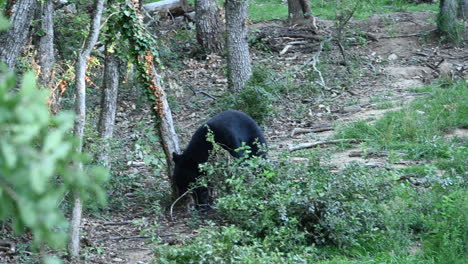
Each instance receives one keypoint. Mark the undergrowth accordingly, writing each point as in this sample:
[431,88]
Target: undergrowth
[285,211]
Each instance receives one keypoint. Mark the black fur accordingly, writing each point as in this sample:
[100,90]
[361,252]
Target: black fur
[230,128]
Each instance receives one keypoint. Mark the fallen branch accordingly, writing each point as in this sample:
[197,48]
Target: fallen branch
[327,142]
[122,238]
[360,153]
[299,130]
[312,61]
[119,223]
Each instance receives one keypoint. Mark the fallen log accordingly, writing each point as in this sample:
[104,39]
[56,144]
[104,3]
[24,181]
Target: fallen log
[166,6]
[299,130]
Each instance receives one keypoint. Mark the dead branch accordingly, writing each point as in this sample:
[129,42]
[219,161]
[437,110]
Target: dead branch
[299,130]
[327,142]
[119,223]
[312,61]
[122,238]
[409,35]
[208,95]
[368,154]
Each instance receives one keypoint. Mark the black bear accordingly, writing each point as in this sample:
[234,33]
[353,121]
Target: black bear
[230,129]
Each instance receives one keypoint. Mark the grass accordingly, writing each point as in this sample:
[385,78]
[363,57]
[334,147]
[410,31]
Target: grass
[418,129]
[264,10]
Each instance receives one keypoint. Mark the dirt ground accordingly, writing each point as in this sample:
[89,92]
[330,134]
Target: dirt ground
[397,51]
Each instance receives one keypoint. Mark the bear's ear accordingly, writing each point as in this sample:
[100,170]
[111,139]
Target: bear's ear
[176,157]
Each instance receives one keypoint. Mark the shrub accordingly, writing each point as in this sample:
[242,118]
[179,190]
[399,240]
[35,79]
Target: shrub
[36,152]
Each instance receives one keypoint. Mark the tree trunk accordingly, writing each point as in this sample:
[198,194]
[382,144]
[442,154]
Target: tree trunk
[238,57]
[298,10]
[108,104]
[12,41]
[447,21]
[169,140]
[46,55]
[208,25]
[464,10]
[80,109]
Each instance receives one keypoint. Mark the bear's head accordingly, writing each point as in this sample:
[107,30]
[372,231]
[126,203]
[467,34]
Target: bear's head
[185,172]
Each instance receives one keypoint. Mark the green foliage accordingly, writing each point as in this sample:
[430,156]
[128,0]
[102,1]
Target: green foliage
[144,147]
[263,10]
[418,128]
[36,152]
[286,212]
[256,99]
[327,9]
[71,36]
[447,227]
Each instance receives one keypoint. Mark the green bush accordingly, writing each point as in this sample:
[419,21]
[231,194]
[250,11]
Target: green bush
[36,155]
[278,212]
[256,99]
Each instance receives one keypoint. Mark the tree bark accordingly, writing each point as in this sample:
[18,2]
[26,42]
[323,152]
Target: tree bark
[169,140]
[238,56]
[298,10]
[448,23]
[108,104]
[464,10]
[80,109]
[46,54]
[12,41]
[208,25]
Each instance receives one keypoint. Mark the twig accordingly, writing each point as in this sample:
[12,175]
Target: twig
[207,94]
[343,53]
[8,190]
[299,130]
[320,143]
[312,61]
[119,223]
[368,154]
[175,202]
[122,238]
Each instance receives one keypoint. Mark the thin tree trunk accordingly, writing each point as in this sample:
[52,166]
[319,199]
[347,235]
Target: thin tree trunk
[169,140]
[298,10]
[108,104]
[46,55]
[238,56]
[208,25]
[12,41]
[80,109]
[447,20]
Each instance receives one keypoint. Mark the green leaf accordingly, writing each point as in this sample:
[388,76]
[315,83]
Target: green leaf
[28,85]
[52,141]
[52,260]
[27,212]
[36,180]
[9,154]
[4,23]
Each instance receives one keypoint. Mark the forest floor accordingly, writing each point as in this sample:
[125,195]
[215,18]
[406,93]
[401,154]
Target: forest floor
[396,53]
[388,56]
